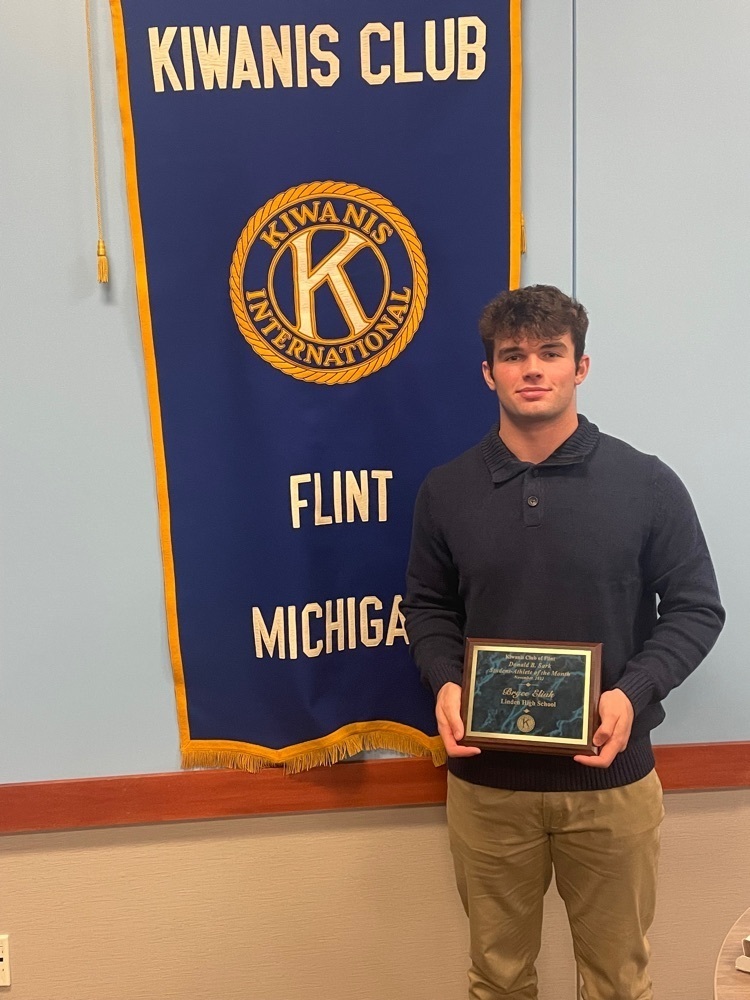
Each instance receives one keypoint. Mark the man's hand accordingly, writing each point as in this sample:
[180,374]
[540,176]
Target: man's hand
[450,727]
[616,713]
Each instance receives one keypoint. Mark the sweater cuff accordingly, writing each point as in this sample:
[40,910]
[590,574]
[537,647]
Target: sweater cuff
[441,671]
[639,688]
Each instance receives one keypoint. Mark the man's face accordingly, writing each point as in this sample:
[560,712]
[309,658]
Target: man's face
[535,379]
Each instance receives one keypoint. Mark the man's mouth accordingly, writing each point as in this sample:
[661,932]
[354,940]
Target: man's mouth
[532,393]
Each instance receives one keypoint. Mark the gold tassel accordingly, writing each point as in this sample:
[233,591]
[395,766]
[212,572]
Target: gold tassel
[523,234]
[102,264]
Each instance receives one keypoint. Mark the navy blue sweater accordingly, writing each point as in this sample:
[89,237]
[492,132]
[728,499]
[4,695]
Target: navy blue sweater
[598,543]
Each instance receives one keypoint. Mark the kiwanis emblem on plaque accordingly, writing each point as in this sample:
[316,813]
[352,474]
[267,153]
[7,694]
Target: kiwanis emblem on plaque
[526,721]
[328,282]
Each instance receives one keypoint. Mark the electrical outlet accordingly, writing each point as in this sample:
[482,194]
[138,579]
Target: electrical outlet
[4,960]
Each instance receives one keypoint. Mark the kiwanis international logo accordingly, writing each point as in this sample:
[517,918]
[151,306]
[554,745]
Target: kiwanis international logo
[328,282]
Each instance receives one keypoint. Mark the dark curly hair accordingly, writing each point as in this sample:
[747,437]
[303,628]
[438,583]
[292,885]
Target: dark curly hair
[536,311]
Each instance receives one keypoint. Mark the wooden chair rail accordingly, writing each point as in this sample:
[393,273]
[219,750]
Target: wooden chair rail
[213,794]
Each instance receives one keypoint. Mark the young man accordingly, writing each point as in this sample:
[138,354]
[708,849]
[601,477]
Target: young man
[549,530]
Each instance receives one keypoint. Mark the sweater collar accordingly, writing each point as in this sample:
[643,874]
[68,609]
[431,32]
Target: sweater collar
[504,465]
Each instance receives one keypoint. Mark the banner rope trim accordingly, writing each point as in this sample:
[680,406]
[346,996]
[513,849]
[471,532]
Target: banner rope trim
[517,223]
[149,354]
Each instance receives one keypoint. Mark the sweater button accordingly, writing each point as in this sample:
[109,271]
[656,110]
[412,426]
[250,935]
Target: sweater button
[532,501]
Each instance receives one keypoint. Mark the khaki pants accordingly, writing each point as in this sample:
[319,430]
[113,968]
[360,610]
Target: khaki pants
[604,848]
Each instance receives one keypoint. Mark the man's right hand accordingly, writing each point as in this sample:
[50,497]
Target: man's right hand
[448,715]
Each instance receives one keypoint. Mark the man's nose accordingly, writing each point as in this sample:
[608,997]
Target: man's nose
[532,368]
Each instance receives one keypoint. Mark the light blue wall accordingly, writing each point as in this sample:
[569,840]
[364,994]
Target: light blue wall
[85,683]
[663,252]
[661,244]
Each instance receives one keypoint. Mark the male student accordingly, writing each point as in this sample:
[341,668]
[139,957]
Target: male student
[549,530]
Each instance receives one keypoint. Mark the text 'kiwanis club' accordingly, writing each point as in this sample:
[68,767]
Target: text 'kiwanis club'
[295,55]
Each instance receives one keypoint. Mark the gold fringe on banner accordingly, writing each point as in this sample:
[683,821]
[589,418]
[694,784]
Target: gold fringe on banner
[318,753]
[102,264]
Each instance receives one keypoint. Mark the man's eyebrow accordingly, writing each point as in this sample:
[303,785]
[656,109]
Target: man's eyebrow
[503,351]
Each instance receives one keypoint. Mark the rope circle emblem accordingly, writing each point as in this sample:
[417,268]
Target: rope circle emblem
[328,282]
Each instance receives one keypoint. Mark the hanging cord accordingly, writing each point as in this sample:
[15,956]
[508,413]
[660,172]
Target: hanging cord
[101,251]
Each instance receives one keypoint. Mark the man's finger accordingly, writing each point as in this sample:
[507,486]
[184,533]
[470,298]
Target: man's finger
[449,721]
[457,727]
[453,749]
[448,736]
[604,759]
[608,751]
[450,724]
[604,733]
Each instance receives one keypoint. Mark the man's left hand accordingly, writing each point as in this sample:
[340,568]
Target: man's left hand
[616,714]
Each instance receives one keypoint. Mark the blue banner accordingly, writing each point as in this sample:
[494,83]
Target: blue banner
[322,194]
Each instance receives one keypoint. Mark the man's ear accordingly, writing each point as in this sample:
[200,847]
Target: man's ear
[487,374]
[583,368]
